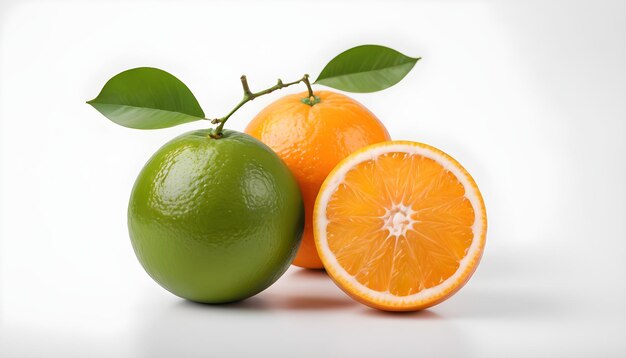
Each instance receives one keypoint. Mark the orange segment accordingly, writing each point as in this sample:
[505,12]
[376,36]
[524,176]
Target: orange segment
[400,225]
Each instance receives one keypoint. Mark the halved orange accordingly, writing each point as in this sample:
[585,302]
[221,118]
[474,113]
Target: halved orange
[400,225]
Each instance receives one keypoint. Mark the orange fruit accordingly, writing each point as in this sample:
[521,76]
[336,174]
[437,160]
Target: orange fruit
[311,140]
[400,226]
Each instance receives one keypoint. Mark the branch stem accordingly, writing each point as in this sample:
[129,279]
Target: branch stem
[248,96]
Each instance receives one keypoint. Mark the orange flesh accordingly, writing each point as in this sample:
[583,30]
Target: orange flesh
[399,223]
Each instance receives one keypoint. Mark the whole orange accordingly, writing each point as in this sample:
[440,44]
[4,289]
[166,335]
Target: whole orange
[311,140]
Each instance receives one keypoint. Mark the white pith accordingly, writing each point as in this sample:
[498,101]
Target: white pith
[397,220]
[396,224]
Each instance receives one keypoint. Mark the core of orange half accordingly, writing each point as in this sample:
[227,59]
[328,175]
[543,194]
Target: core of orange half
[400,225]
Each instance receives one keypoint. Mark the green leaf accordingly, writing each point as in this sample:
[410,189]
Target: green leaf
[147,98]
[367,68]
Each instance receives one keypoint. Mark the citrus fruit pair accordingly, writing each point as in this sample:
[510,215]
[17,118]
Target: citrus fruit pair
[397,225]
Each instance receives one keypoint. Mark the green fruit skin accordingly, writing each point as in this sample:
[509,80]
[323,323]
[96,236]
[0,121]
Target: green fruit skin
[215,220]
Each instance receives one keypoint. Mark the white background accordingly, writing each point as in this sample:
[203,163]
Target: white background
[529,95]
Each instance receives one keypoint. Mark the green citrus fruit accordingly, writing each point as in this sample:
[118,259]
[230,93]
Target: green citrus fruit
[215,220]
